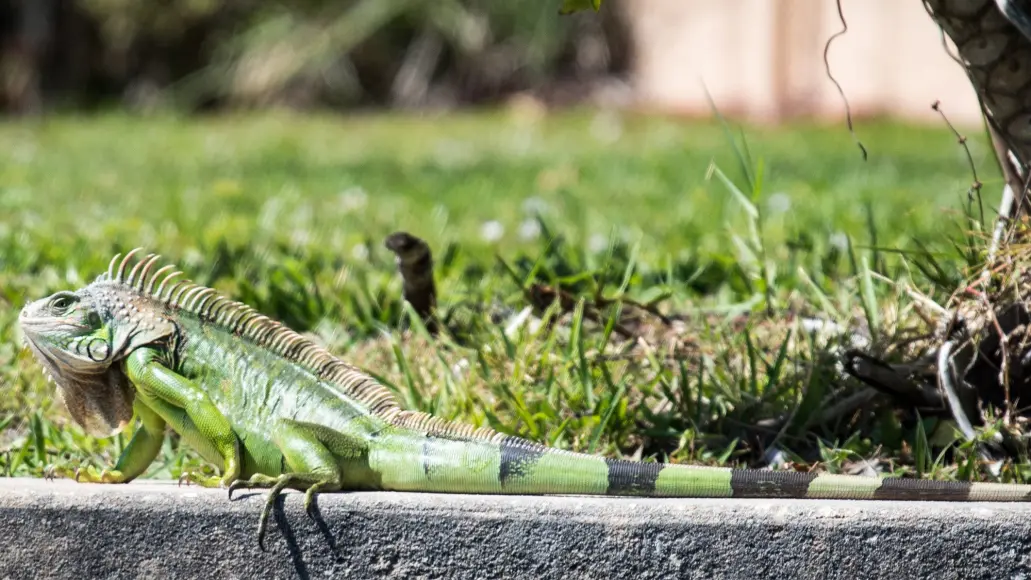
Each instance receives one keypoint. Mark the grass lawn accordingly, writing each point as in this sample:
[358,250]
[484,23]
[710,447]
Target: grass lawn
[288,213]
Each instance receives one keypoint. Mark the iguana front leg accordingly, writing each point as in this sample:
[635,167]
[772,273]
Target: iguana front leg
[135,458]
[179,402]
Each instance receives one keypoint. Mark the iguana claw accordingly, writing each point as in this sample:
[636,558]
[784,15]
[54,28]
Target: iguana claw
[259,480]
[235,486]
[278,484]
[309,503]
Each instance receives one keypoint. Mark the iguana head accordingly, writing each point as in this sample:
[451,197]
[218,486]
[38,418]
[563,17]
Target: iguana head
[78,337]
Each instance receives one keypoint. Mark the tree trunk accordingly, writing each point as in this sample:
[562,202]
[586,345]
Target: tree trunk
[997,58]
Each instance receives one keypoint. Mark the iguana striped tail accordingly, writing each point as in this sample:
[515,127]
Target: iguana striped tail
[517,466]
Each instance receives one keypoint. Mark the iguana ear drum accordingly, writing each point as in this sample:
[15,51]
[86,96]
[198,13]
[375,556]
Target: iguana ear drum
[98,349]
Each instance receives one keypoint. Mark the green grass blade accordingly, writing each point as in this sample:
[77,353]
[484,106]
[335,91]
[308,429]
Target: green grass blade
[739,196]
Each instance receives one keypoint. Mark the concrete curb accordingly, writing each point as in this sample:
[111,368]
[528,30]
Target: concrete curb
[156,530]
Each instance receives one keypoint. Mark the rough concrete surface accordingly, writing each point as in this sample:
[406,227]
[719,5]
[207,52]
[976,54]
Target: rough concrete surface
[61,529]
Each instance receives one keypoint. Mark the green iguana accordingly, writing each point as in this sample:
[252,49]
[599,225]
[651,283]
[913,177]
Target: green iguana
[275,410]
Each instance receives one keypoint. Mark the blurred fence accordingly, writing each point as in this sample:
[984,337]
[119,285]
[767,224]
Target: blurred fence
[763,59]
[758,58]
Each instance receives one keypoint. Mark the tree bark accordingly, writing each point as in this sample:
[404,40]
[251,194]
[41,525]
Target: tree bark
[997,58]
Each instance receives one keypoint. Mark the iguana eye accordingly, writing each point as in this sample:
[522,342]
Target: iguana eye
[61,303]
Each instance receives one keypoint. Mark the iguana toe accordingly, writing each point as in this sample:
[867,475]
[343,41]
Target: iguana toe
[309,503]
[256,480]
[207,481]
[267,510]
[53,471]
[89,474]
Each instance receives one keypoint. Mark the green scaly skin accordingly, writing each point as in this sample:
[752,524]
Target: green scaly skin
[274,410]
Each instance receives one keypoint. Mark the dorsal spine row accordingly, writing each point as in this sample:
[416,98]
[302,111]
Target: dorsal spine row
[249,324]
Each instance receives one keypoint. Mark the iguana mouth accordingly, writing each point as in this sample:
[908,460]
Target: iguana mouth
[50,323]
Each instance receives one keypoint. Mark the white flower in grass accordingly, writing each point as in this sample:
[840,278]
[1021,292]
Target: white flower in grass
[838,240]
[529,229]
[300,237]
[516,322]
[492,231]
[534,205]
[460,368]
[353,199]
[779,203]
[597,243]
[360,252]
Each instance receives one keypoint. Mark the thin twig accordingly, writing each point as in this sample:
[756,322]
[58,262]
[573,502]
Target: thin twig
[975,187]
[827,65]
